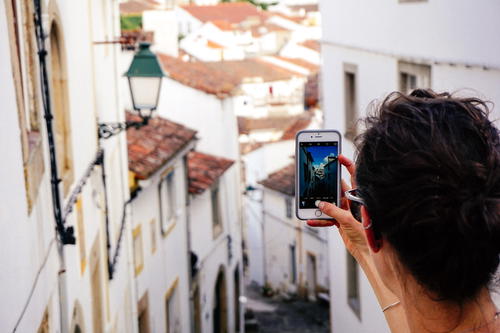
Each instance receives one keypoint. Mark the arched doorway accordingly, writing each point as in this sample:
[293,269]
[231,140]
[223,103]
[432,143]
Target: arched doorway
[219,313]
[77,319]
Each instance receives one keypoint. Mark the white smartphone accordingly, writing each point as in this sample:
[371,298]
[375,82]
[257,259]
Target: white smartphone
[317,171]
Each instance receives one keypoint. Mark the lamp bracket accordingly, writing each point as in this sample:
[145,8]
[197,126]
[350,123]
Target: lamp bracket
[107,130]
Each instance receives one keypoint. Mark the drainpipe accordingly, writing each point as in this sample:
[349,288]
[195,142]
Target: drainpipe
[65,235]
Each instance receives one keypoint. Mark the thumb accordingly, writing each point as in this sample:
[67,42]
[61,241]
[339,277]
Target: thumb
[340,215]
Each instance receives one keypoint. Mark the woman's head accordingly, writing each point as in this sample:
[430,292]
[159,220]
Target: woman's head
[429,171]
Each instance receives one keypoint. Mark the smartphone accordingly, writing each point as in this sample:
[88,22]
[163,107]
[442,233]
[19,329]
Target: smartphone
[317,171]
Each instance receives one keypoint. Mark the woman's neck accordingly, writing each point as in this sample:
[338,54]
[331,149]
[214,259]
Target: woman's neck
[427,315]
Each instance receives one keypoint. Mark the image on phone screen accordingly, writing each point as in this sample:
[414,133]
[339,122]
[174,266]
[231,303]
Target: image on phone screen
[317,172]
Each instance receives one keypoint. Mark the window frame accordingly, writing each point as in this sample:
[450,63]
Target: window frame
[351,110]
[167,201]
[353,290]
[217,224]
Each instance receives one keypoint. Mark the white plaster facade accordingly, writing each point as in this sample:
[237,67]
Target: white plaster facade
[459,57]
[308,276]
[164,248]
[215,121]
[89,73]
[163,24]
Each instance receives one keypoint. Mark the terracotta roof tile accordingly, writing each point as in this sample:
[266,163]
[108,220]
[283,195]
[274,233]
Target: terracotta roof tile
[223,25]
[220,78]
[246,125]
[137,6]
[199,75]
[282,180]
[151,146]
[265,28]
[248,147]
[311,44]
[249,69]
[204,170]
[299,124]
[231,12]
[313,68]
[308,8]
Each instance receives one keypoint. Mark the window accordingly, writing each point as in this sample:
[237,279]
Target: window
[237,298]
[350,101]
[143,314]
[60,109]
[44,325]
[216,218]
[293,265]
[412,76]
[288,204]
[353,285]
[80,229]
[25,72]
[172,309]
[167,201]
[138,254]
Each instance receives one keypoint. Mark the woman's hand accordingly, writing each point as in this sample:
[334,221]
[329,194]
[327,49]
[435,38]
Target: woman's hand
[350,229]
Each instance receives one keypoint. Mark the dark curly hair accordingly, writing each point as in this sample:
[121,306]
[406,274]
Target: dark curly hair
[428,168]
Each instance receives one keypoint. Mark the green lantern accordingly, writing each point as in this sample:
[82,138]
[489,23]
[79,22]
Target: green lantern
[144,78]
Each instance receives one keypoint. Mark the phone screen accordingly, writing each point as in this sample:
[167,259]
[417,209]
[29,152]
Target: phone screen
[318,168]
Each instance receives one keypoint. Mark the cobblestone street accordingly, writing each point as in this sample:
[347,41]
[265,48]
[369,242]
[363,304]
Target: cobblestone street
[285,316]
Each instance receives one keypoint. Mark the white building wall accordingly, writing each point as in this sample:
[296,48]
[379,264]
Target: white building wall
[164,25]
[375,48]
[213,253]
[86,104]
[169,261]
[279,233]
[30,236]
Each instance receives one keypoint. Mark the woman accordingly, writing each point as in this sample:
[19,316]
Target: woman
[427,187]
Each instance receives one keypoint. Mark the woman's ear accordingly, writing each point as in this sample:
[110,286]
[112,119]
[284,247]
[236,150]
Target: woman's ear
[374,243]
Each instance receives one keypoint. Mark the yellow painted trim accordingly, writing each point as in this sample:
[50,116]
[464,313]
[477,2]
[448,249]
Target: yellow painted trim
[152,225]
[166,172]
[137,232]
[83,265]
[139,269]
[170,227]
[171,289]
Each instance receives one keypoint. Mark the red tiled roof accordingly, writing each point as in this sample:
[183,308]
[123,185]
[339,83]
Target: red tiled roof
[299,124]
[153,145]
[312,44]
[282,180]
[248,147]
[307,8]
[204,170]
[246,125]
[223,25]
[220,78]
[199,75]
[265,28]
[301,62]
[230,12]
[252,68]
[137,6]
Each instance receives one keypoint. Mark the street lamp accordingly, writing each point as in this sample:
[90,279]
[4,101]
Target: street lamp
[144,78]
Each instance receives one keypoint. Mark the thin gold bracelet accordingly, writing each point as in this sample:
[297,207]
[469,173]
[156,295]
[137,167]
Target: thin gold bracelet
[390,306]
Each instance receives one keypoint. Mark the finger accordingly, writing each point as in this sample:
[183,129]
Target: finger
[344,203]
[341,215]
[345,187]
[322,223]
[349,164]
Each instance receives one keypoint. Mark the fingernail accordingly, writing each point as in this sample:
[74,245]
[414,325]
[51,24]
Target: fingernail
[317,202]
[321,205]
